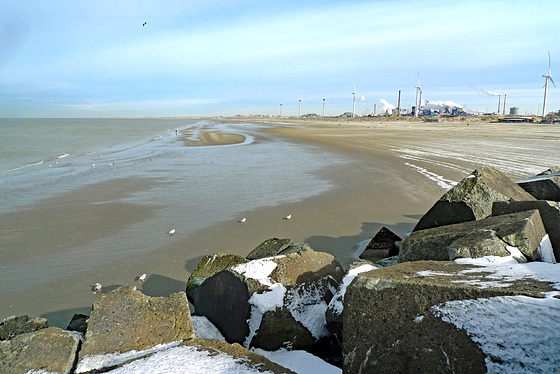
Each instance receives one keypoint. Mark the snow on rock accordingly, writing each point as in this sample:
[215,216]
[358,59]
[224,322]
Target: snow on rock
[336,304]
[204,329]
[258,270]
[100,361]
[184,359]
[299,361]
[307,306]
[519,334]
[546,251]
[262,303]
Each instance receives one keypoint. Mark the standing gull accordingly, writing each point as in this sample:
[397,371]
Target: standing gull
[97,288]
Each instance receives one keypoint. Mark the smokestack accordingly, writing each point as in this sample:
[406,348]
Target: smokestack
[499,102]
[505,99]
[324,107]
[399,105]
[374,108]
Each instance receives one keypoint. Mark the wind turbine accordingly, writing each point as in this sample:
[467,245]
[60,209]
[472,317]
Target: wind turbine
[354,102]
[546,78]
[418,95]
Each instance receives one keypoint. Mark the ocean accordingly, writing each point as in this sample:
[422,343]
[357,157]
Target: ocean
[70,166]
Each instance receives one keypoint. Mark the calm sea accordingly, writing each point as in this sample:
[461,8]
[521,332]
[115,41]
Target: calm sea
[196,186]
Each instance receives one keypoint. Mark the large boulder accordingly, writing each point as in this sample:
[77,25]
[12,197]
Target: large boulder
[16,325]
[268,248]
[550,215]
[382,245]
[472,198]
[48,350]
[493,236]
[275,247]
[126,320]
[543,186]
[272,302]
[395,320]
[210,265]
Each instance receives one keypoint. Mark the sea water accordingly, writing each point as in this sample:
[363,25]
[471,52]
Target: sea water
[194,187]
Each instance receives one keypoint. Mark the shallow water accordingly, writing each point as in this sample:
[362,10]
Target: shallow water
[70,165]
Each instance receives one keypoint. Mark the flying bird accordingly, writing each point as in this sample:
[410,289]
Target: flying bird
[289,216]
[144,24]
[171,232]
[243,220]
[142,278]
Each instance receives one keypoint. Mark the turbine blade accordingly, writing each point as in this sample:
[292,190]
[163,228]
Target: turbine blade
[552,82]
[549,63]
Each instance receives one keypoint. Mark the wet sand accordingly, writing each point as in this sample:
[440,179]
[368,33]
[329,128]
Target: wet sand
[209,138]
[379,186]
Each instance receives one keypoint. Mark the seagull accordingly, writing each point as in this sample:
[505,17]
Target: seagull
[289,216]
[97,288]
[171,232]
[144,24]
[142,278]
[243,220]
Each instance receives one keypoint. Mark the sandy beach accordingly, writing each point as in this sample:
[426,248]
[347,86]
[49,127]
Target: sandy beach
[396,170]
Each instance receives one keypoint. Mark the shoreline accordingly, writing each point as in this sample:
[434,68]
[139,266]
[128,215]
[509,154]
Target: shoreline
[377,187]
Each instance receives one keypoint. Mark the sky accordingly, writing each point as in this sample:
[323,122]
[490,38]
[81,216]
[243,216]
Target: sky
[81,58]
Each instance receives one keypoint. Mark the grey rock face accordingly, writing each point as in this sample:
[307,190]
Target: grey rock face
[523,230]
[16,325]
[269,248]
[389,326]
[472,199]
[382,245]
[125,320]
[210,265]
[549,211]
[49,349]
[544,186]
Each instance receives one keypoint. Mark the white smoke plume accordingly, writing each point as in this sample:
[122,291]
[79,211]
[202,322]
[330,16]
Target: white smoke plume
[489,93]
[438,105]
[386,106]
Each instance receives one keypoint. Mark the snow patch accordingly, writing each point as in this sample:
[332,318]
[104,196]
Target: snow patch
[107,360]
[516,254]
[307,305]
[300,362]
[204,329]
[511,346]
[258,270]
[440,181]
[545,250]
[337,302]
[180,360]
[262,303]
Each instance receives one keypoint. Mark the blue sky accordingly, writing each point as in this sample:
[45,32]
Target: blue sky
[95,59]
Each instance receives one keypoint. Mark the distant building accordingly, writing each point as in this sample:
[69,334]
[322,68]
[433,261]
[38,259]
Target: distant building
[516,119]
[514,111]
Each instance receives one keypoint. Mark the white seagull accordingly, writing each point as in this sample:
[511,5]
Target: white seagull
[289,216]
[171,232]
[97,288]
[243,220]
[142,278]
